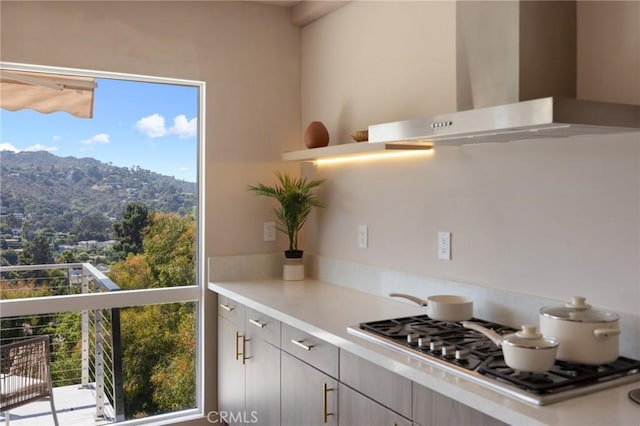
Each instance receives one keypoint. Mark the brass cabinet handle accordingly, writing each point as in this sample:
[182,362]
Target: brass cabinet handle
[237,352]
[226,307]
[257,323]
[301,344]
[325,414]
[244,349]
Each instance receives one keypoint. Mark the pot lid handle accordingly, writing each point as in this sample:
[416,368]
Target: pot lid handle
[578,302]
[529,332]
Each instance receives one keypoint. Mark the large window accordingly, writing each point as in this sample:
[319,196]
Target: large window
[103,190]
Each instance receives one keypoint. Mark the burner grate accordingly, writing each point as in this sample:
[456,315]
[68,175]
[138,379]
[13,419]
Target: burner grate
[483,360]
[563,375]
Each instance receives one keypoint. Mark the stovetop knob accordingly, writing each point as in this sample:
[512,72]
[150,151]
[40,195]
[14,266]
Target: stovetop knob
[435,346]
[462,354]
[448,351]
[423,342]
[413,338]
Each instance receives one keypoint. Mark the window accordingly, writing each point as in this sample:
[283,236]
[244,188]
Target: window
[136,226]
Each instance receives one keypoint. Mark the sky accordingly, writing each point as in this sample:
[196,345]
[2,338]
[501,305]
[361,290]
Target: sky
[150,125]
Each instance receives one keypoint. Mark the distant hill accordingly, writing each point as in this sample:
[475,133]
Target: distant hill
[58,192]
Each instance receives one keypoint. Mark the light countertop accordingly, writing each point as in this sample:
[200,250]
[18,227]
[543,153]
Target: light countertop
[326,310]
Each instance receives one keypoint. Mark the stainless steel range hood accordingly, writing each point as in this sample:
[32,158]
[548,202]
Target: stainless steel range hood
[539,118]
[516,79]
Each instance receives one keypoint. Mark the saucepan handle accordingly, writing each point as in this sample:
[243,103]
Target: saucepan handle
[415,299]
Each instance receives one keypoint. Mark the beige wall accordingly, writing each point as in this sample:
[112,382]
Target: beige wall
[608,52]
[551,218]
[249,57]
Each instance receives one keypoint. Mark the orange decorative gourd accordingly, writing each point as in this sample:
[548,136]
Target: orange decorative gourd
[316,135]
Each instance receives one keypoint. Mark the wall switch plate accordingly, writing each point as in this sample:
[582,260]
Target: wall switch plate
[444,245]
[269,231]
[363,236]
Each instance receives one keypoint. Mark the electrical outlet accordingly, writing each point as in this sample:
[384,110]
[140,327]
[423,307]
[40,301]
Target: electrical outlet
[269,231]
[363,236]
[444,245]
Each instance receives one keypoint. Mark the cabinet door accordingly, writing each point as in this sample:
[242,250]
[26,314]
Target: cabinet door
[379,384]
[309,397]
[358,410]
[431,408]
[231,378]
[262,370]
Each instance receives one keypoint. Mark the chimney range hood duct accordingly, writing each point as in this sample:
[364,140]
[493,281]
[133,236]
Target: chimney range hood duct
[516,79]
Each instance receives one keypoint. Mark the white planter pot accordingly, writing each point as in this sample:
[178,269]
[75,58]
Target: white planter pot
[293,270]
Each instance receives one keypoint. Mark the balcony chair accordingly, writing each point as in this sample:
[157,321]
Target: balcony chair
[25,375]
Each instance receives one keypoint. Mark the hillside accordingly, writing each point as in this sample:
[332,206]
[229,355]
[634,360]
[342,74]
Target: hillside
[59,193]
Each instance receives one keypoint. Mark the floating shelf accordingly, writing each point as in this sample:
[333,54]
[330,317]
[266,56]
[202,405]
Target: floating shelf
[352,150]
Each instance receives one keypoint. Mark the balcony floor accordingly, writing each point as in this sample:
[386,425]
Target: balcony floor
[75,407]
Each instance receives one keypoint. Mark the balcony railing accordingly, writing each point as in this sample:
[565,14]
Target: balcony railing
[86,345]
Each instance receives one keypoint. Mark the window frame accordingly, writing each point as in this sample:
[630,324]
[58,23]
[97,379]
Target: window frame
[129,298]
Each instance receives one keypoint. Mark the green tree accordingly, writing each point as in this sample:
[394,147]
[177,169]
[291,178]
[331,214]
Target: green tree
[130,230]
[159,341]
[93,226]
[36,252]
[169,250]
[67,257]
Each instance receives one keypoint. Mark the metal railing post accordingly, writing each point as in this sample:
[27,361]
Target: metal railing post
[118,378]
[84,377]
[99,364]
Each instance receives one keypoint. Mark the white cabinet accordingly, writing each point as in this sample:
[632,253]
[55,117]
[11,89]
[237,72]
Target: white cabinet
[309,385]
[231,388]
[262,368]
[309,396]
[248,365]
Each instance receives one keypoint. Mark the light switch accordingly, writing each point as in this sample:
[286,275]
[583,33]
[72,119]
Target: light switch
[363,236]
[444,245]
[269,231]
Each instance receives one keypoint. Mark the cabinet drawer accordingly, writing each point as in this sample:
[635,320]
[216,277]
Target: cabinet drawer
[356,409]
[432,408]
[310,349]
[366,377]
[262,326]
[231,310]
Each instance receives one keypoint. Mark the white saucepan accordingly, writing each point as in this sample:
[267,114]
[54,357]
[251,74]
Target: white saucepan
[443,307]
[586,335]
[527,350]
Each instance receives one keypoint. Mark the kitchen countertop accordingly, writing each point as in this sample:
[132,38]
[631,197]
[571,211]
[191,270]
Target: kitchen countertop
[326,310]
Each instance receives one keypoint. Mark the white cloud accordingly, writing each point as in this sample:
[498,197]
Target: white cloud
[56,138]
[38,147]
[184,128]
[6,146]
[152,126]
[96,139]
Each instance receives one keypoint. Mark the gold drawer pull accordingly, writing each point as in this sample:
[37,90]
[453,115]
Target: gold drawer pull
[226,307]
[325,414]
[257,323]
[238,336]
[301,344]
[244,349]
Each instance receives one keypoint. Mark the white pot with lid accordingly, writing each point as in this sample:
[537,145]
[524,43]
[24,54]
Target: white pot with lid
[586,335]
[525,350]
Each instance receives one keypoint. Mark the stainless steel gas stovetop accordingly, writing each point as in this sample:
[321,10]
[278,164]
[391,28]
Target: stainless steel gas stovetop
[471,355]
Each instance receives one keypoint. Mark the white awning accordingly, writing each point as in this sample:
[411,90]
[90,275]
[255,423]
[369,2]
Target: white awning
[47,93]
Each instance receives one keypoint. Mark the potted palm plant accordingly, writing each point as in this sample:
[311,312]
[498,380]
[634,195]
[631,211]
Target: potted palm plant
[296,199]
